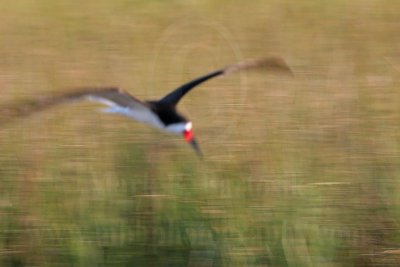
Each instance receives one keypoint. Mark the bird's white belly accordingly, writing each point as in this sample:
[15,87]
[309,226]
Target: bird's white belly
[141,115]
[176,128]
[144,115]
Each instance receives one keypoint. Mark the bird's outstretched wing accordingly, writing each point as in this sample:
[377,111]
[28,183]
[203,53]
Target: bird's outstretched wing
[117,99]
[275,64]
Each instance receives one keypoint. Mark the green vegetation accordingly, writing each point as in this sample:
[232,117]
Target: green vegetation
[297,172]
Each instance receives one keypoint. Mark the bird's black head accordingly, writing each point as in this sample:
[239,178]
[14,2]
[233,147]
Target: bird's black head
[176,123]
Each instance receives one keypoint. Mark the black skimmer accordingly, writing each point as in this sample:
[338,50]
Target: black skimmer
[161,114]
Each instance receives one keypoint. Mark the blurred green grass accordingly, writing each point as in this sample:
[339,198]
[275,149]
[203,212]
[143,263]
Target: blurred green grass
[298,172]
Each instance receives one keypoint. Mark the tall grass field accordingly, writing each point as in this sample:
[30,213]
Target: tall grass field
[297,171]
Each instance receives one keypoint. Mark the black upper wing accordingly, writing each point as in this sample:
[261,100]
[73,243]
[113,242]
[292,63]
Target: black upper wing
[174,97]
[272,63]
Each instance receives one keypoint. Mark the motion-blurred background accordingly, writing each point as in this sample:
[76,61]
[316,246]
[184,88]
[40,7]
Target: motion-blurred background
[299,171]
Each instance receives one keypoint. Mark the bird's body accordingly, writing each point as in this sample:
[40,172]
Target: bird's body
[161,114]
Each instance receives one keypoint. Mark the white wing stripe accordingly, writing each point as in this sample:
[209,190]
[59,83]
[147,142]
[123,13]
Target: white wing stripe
[143,114]
[101,100]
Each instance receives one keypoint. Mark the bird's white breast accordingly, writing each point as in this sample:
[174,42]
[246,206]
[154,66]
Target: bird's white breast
[141,115]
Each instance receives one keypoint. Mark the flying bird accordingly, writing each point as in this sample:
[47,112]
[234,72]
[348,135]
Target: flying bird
[161,114]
